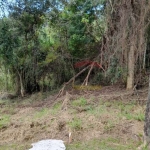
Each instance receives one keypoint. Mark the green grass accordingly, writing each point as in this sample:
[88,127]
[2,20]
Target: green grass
[107,144]
[127,110]
[108,114]
[15,147]
[81,102]
[98,111]
[109,126]
[76,124]
[55,109]
[48,111]
[136,116]
[4,120]
[43,112]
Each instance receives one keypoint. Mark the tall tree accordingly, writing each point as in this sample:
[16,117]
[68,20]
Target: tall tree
[77,27]
[147,120]
[126,40]
[27,17]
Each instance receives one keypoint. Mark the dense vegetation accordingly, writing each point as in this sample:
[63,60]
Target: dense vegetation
[44,43]
[42,40]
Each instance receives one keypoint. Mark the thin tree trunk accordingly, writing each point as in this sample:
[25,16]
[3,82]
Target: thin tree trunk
[147,120]
[18,92]
[6,80]
[22,87]
[22,90]
[144,57]
[131,65]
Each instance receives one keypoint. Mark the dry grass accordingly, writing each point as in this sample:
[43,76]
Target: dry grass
[95,121]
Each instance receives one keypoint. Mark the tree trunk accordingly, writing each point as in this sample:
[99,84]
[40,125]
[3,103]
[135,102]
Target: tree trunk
[131,65]
[147,120]
[18,92]
[6,80]
[22,87]
[22,90]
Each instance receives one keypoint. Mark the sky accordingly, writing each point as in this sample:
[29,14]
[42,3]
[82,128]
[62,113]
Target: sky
[4,7]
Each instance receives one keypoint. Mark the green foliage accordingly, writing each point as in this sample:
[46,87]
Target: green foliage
[22,49]
[115,72]
[79,28]
[6,83]
[9,41]
[37,43]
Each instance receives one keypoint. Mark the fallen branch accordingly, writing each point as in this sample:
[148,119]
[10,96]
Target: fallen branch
[87,77]
[72,79]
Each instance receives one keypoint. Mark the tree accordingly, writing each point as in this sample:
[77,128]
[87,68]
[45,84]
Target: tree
[147,121]
[126,38]
[20,43]
[78,24]
[9,42]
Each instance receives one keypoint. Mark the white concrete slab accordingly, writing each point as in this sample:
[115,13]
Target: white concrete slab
[48,145]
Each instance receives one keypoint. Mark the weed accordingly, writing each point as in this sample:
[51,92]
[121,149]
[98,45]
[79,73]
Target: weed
[9,110]
[98,111]
[76,124]
[145,148]
[139,116]
[55,109]
[4,121]
[81,102]
[43,112]
[107,144]
[127,110]
[109,126]
[15,147]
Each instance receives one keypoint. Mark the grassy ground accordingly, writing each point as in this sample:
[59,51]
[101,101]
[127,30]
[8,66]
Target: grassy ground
[104,120]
